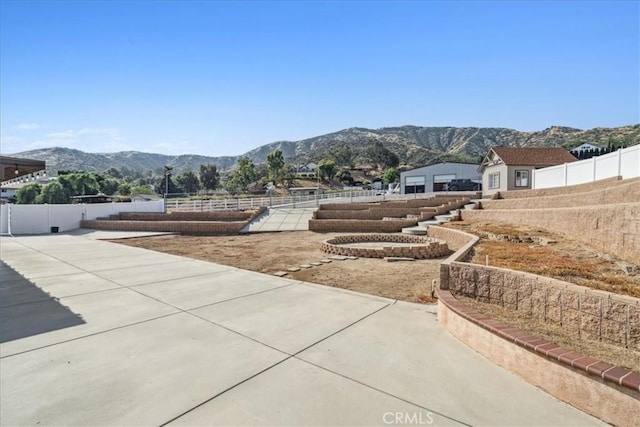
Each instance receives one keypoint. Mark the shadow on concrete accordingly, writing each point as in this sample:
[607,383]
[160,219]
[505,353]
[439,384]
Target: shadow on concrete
[27,310]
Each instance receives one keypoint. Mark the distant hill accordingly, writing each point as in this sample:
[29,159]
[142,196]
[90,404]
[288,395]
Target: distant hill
[60,158]
[414,145]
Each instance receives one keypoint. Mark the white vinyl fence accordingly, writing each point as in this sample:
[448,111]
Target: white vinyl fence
[40,219]
[301,201]
[624,162]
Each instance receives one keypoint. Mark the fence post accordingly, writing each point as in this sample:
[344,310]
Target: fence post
[533,178]
[620,162]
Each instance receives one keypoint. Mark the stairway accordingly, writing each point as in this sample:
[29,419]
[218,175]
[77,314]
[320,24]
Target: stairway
[421,228]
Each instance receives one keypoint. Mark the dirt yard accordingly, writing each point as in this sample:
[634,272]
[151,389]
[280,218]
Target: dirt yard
[272,252]
[411,280]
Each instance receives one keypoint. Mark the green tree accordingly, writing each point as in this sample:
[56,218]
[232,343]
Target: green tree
[124,189]
[289,175]
[209,176]
[113,173]
[109,186]
[141,189]
[390,175]
[53,193]
[79,183]
[243,175]
[27,195]
[345,178]
[172,188]
[341,153]
[327,169]
[381,156]
[189,182]
[275,166]
[262,172]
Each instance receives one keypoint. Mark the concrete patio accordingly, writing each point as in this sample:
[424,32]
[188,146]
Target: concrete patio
[95,333]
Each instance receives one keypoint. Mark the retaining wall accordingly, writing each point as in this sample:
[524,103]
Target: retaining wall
[608,392]
[433,201]
[184,227]
[360,226]
[588,312]
[372,213]
[622,192]
[188,216]
[426,247]
[613,229]
[191,227]
[571,189]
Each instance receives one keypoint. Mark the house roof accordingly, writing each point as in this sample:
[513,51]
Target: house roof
[538,157]
[14,167]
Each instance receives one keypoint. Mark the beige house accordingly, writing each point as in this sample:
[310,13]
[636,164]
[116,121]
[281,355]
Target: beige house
[510,168]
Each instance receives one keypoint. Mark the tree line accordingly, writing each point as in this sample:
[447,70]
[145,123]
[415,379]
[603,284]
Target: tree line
[125,182]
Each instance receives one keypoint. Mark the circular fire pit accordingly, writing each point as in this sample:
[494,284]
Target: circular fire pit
[386,245]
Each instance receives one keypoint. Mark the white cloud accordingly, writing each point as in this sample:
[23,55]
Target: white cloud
[113,133]
[28,126]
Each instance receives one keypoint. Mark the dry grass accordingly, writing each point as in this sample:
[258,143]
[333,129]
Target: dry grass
[565,260]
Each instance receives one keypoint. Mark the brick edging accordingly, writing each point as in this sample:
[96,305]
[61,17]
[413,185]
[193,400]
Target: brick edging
[571,359]
[426,247]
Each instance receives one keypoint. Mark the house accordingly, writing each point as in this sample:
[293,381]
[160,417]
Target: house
[12,168]
[306,171]
[8,191]
[434,177]
[585,147]
[510,168]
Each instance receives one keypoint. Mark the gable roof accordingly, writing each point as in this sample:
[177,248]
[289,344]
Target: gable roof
[537,157]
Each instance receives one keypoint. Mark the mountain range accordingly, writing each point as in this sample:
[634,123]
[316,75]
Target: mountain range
[414,145]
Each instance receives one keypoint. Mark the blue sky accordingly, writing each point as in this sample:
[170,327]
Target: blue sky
[221,78]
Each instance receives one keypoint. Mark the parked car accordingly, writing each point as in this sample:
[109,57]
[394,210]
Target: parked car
[463,185]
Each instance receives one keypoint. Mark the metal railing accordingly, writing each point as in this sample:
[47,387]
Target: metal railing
[298,201]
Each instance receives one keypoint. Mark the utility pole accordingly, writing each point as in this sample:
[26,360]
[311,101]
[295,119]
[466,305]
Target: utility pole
[167,174]
[317,185]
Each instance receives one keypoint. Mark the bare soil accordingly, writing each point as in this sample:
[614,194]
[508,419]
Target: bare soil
[412,281]
[273,252]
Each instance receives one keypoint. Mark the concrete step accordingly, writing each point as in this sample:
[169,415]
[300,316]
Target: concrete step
[470,206]
[443,218]
[415,231]
[429,222]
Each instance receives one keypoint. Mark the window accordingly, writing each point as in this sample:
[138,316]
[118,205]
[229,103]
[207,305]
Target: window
[522,178]
[494,180]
